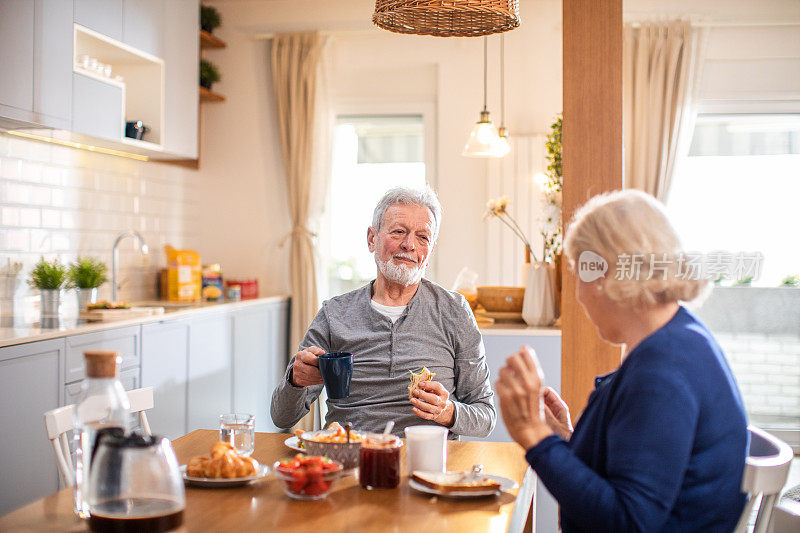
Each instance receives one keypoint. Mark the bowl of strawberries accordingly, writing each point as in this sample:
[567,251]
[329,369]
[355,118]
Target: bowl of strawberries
[308,477]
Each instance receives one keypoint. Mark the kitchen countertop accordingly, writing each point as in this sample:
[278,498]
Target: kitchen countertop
[74,326]
[517,329]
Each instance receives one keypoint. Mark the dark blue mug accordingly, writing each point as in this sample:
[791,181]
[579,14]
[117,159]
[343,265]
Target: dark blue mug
[337,371]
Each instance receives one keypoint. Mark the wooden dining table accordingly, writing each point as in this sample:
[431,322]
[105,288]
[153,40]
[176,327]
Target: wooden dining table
[263,505]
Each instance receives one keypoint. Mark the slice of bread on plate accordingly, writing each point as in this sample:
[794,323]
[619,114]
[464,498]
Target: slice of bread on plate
[455,481]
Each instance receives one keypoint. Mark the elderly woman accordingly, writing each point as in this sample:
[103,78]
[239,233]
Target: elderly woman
[662,442]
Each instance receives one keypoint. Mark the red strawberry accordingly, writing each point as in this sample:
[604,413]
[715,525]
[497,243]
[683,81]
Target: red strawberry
[298,482]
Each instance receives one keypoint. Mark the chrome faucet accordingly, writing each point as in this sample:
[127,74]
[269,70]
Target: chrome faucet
[115,258]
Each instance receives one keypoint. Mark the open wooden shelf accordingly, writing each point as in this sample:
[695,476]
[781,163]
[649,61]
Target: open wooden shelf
[209,41]
[210,96]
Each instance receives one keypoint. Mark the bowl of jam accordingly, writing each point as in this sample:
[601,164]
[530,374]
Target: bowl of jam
[379,461]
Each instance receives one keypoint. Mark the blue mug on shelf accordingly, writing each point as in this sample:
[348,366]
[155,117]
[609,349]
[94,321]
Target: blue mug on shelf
[337,371]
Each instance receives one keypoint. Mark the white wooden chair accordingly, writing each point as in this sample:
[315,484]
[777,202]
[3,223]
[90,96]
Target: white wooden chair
[59,423]
[765,472]
[524,504]
[785,518]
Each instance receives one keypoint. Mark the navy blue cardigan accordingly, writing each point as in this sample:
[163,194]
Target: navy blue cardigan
[661,444]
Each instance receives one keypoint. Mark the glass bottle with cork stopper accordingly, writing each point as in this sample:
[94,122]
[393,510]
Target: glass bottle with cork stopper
[103,407]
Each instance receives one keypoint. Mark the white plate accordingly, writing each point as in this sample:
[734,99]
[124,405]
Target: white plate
[221,483]
[294,443]
[505,485]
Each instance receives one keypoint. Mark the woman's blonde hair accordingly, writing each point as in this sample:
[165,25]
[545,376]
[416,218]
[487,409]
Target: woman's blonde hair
[631,231]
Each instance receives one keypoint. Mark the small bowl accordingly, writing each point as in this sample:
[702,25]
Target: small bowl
[343,452]
[307,489]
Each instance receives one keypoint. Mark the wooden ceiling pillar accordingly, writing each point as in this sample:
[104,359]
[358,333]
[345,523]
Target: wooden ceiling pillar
[592,163]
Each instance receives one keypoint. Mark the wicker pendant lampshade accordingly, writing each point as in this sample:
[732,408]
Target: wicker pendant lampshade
[447,18]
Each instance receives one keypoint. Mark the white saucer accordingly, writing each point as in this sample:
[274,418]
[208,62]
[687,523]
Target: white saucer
[294,443]
[221,483]
[505,485]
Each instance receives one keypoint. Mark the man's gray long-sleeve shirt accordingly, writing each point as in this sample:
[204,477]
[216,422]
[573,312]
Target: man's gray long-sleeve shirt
[437,330]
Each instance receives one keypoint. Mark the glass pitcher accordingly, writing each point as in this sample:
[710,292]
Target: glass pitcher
[135,485]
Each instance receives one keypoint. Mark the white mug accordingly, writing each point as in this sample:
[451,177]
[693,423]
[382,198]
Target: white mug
[426,448]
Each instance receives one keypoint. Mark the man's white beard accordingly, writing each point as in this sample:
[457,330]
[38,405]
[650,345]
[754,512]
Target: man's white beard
[400,274]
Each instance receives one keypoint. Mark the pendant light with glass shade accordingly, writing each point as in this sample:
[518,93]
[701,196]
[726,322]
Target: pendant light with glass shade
[502,134]
[483,140]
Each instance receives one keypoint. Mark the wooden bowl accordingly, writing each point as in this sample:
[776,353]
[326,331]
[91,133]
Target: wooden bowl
[501,299]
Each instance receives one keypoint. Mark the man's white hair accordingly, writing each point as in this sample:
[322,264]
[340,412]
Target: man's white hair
[407,196]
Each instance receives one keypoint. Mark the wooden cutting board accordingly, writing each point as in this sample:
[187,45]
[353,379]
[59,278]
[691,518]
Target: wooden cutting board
[107,315]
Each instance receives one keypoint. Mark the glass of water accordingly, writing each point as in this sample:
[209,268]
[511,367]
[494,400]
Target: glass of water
[240,430]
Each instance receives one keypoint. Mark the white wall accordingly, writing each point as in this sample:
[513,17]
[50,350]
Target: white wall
[241,147]
[60,202]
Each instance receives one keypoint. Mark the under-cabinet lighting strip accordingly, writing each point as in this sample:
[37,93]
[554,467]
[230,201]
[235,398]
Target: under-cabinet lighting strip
[80,146]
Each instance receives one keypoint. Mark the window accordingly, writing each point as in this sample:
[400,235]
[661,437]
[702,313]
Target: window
[371,154]
[738,191]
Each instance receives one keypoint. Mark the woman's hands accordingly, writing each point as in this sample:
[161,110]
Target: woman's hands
[530,412]
[556,414]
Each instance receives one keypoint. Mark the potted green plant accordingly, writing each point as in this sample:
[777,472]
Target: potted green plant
[209,74]
[86,275]
[209,18]
[50,277]
[790,281]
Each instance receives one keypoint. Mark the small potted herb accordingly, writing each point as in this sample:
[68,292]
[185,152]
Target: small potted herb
[209,74]
[790,281]
[86,275]
[209,18]
[50,277]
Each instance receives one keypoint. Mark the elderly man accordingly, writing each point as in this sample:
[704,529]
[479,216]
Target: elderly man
[397,324]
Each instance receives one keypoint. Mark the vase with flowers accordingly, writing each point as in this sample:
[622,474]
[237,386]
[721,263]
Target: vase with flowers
[539,306]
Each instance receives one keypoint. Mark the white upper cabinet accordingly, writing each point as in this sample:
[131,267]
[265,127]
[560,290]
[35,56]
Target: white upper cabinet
[102,16]
[143,25]
[181,50]
[52,63]
[16,51]
[151,47]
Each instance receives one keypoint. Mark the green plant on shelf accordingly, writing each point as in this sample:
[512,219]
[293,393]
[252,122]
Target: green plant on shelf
[48,275]
[87,273]
[209,18]
[208,74]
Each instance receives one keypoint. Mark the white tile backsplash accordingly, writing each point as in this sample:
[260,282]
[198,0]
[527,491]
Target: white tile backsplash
[61,202]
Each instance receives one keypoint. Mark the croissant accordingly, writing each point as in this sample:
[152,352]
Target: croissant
[223,462]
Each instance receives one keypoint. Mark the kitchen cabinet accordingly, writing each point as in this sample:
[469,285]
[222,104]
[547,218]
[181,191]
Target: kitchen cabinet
[165,359]
[52,63]
[181,76]
[143,25]
[152,47]
[123,340]
[260,354]
[36,55]
[30,385]
[209,374]
[16,51]
[96,108]
[499,345]
[102,16]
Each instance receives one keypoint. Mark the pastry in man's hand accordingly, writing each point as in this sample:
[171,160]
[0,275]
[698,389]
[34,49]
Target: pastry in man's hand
[417,378]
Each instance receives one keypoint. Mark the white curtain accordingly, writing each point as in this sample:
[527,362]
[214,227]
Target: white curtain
[661,66]
[299,79]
